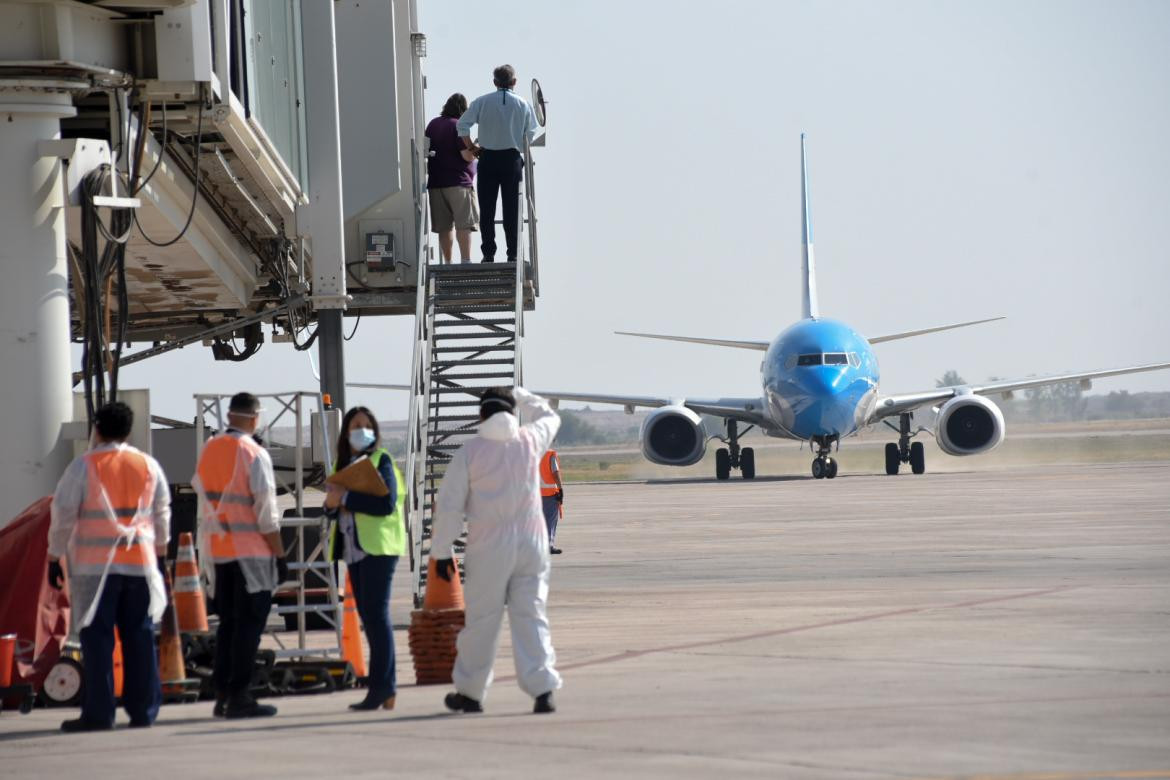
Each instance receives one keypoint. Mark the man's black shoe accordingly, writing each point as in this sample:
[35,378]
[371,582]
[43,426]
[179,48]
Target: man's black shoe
[248,709]
[457,702]
[488,260]
[220,708]
[544,703]
[80,724]
[140,724]
[554,550]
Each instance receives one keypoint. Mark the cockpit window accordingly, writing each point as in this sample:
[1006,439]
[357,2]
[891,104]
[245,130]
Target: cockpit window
[809,360]
[836,359]
[854,360]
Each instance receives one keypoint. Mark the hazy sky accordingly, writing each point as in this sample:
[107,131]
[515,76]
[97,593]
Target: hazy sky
[968,159]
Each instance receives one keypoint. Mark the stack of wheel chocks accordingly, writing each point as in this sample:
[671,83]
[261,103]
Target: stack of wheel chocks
[434,628]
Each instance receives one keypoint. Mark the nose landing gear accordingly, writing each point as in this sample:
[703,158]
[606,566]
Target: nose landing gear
[824,467]
[734,456]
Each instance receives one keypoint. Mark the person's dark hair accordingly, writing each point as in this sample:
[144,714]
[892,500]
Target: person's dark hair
[455,106]
[496,399]
[114,421]
[504,76]
[344,451]
[244,403]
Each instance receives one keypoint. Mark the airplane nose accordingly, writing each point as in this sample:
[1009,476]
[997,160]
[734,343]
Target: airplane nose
[821,382]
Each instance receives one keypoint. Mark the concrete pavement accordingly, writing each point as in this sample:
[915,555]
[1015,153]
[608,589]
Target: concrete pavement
[994,624]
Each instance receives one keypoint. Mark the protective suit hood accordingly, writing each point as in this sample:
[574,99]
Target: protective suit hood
[501,426]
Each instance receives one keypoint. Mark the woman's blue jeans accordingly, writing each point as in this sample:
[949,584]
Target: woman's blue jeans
[371,584]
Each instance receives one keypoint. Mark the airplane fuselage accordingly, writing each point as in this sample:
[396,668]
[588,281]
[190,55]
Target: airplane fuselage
[820,380]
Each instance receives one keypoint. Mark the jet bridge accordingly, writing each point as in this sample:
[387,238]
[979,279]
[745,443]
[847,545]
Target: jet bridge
[178,172]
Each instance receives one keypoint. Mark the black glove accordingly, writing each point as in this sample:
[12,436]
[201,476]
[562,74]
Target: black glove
[444,568]
[282,574]
[561,497]
[56,575]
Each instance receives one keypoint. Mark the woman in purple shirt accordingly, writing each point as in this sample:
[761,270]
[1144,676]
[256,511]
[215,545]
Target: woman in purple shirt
[451,180]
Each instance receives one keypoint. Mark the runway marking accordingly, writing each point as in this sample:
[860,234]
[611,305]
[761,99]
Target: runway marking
[631,654]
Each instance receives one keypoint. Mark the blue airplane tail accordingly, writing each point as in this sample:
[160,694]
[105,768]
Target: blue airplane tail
[809,307]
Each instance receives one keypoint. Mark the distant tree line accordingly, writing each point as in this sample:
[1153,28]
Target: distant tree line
[1068,402]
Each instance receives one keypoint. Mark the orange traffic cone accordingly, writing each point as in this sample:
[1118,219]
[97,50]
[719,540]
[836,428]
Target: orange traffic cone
[351,632]
[440,593]
[171,668]
[188,593]
[118,671]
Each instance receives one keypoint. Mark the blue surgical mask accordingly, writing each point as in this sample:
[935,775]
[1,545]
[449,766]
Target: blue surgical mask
[361,439]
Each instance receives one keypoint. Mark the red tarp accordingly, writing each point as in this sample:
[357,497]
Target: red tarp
[29,608]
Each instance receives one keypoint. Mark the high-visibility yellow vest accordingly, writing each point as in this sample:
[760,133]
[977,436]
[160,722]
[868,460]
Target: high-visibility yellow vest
[380,534]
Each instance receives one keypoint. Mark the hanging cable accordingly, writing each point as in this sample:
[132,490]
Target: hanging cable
[194,193]
[353,332]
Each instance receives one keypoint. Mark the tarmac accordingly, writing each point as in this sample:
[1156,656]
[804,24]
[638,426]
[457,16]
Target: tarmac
[1002,625]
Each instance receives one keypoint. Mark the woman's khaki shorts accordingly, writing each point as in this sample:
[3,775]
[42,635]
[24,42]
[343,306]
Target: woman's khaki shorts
[453,207]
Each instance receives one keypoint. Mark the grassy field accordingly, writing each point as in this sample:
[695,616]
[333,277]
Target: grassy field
[1059,443]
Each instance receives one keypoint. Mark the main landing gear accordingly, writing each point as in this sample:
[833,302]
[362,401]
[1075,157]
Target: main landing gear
[905,451]
[733,456]
[824,467]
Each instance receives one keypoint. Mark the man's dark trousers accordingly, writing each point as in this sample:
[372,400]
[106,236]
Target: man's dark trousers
[499,171]
[125,603]
[242,617]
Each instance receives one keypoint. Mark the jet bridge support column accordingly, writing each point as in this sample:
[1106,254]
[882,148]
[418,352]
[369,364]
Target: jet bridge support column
[331,346]
[325,211]
[34,299]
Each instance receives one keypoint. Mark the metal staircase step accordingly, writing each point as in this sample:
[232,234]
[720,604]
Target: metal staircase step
[471,321]
[472,362]
[476,348]
[462,336]
[449,404]
[493,374]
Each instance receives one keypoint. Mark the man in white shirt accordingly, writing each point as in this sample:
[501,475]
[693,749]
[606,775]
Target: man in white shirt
[506,124]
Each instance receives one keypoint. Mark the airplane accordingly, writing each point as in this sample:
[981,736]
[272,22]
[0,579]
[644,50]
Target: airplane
[820,384]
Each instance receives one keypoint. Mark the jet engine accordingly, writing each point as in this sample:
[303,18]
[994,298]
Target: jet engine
[968,425]
[673,436]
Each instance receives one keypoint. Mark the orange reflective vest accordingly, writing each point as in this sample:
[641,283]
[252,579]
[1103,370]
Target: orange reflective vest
[548,483]
[119,495]
[225,470]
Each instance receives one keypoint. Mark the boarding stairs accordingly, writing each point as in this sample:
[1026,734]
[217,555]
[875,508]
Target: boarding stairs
[469,333]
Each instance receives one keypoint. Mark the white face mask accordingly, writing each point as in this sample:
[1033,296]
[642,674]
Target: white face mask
[361,439]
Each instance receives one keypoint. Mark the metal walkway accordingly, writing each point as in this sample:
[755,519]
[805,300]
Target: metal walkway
[469,334]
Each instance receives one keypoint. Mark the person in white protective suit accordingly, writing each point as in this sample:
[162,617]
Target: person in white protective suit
[111,519]
[492,481]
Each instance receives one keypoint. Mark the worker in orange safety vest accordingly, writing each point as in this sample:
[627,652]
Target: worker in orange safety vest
[552,496]
[111,519]
[242,555]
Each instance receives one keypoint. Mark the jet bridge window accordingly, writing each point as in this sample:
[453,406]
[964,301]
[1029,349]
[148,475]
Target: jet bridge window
[809,360]
[836,359]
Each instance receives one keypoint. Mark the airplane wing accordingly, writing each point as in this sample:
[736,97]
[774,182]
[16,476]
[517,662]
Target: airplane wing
[910,333]
[378,386]
[757,345]
[750,410]
[889,405]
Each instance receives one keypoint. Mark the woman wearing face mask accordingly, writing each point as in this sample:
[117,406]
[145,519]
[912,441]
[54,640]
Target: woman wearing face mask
[369,535]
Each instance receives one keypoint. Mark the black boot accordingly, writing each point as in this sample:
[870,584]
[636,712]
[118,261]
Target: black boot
[544,703]
[80,724]
[247,707]
[457,702]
